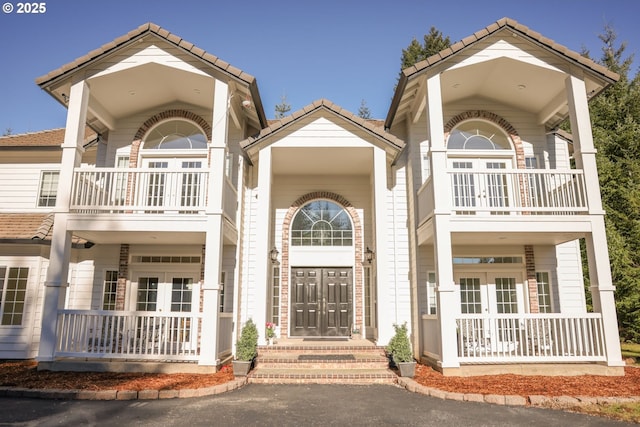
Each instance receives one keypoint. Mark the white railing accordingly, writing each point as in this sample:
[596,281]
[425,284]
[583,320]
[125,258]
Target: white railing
[128,335]
[225,334]
[502,191]
[117,190]
[530,338]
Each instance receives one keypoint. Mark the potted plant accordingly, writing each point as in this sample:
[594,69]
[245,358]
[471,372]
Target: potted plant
[399,350]
[246,349]
[271,332]
[355,333]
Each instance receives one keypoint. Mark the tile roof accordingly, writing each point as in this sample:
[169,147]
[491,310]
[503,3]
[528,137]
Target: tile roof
[149,27]
[29,228]
[523,30]
[374,127]
[409,72]
[45,138]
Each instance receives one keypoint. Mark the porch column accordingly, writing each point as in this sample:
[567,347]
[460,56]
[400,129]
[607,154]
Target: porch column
[387,298]
[602,289]
[448,305]
[215,227]
[258,310]
[56,281]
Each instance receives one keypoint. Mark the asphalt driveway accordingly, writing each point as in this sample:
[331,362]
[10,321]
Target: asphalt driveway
[287,405]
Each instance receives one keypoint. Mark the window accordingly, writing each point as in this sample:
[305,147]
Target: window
[147,294]
[110,290]
[506,297]
[13,292]
[181,292]
[48,188]
[275,295]
[544,292]
[321,223]
[478,135]
[431,305]
[223,285]
[175,135]
[470,302]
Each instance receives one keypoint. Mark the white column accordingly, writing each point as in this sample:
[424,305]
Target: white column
[56,281]
[215,227]
[263,232]
[448,305]
[584,151]
[386,288]
[602,289]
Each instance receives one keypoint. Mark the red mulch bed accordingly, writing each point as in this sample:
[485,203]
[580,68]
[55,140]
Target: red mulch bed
[583,385]
[25,375]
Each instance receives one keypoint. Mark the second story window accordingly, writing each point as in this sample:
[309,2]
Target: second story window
[48,188]
[175,135]
[321,223]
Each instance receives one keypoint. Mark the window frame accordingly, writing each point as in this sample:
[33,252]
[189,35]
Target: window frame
[48,188]
[4,290]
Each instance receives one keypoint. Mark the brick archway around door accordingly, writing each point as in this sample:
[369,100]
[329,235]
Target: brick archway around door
[358,245]
[496,120]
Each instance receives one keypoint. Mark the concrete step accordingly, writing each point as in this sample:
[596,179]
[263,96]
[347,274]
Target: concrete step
[294,360]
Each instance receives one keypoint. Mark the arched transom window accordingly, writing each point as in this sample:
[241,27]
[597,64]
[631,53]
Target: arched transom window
[175,135]
[478,135]
[321,223]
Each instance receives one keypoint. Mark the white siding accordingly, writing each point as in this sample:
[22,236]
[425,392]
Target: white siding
[20,342]
[571,283]
[19,187]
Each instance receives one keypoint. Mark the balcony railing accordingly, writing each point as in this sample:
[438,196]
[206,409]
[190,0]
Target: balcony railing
[530,338]
[511,192]
[129,335]
[114,190]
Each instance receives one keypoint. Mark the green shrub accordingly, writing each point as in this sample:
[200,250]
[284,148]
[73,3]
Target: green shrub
[399,346]
[247,344]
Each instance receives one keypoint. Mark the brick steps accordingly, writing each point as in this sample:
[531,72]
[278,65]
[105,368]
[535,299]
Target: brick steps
[322,363]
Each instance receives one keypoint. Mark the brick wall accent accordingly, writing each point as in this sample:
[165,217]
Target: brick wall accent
[173,114]
[498,121]
[123,273]
[358,242]
[532,283]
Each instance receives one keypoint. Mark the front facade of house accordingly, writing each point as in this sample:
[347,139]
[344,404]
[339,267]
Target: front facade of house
[168,212]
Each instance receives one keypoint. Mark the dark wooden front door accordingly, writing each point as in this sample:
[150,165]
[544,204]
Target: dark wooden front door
[322,301]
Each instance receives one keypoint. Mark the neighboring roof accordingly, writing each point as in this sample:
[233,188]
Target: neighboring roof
[151,28]
[374,127]
[52,138]
[30,228]
[523,30]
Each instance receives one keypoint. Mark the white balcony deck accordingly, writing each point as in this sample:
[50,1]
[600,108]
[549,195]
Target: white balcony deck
[145,191]
[136,335]
[509,192]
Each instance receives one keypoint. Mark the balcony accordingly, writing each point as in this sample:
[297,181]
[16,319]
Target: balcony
[145,191]
[509,192]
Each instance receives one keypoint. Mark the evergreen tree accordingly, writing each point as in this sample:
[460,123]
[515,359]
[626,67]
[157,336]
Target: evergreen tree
[283,108]
[615,116]
[363,111]
[433,43]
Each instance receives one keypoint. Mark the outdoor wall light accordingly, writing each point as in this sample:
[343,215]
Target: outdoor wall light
[369,255]
[273,254]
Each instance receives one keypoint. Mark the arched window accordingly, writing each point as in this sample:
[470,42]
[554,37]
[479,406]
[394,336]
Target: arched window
[321,223]
[478,135]
[175,135]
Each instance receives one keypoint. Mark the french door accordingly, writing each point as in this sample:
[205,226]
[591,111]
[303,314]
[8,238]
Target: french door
[165,293]
[169,188]
[491,294]
[475,187]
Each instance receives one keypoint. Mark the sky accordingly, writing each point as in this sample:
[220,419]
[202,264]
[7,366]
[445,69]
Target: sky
[345,51]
